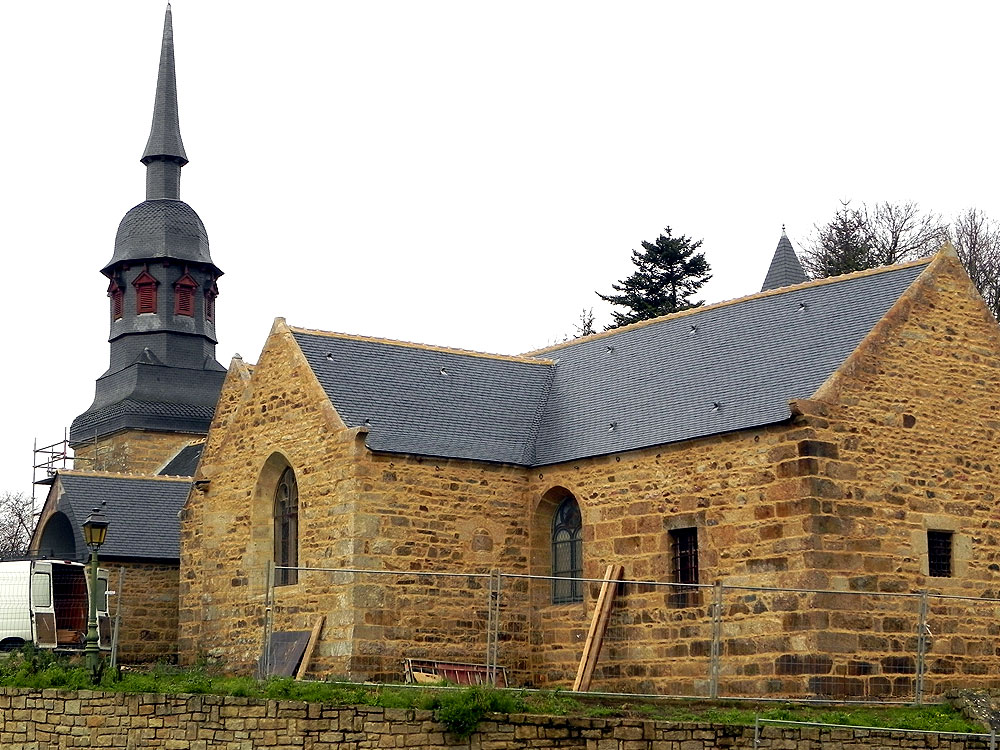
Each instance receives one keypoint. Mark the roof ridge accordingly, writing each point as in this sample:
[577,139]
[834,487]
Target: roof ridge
[121,475]
[525,359]
[736,300]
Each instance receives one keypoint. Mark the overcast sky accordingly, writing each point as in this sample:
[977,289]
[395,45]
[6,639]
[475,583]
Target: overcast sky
[458,173]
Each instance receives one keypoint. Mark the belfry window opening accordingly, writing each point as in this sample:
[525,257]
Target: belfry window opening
[184,295]
[117,295]
[211,292]
[145,293]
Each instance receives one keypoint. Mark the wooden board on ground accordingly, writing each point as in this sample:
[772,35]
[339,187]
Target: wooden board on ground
[285,650]
[598,627]
[69,637]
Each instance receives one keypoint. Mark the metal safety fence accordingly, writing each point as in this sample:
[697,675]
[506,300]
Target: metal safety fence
[767,732]
[657,638]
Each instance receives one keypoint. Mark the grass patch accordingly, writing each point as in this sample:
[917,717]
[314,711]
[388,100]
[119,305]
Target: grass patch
[459,710]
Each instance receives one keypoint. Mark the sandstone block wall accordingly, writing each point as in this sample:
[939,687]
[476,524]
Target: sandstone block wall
[901,440]
[356,510]
[131,451]
[148,601]
[278,418]
[39,720]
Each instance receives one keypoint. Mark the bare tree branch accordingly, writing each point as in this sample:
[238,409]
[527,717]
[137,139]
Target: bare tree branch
[899,232]
[856,239]
[977,242]
[16,522]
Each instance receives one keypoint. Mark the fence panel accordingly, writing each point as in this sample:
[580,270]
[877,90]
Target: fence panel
[662,638]
[843,645]
[375,620]
[961,637]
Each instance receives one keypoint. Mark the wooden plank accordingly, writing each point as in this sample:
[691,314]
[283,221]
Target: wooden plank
[310,647]
[598,627]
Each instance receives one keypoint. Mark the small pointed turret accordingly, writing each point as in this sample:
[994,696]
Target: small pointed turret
[785,268]
[164,155]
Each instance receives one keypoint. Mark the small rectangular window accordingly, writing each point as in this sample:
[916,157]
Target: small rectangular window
[684,565]
[939,553]
[41,590]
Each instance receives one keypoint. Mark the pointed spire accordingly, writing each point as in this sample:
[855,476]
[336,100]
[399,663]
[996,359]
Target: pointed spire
[164,142]
[785,268]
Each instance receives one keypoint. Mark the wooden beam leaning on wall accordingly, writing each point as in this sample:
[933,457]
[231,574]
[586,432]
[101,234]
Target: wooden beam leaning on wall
[310,647]
[598,627]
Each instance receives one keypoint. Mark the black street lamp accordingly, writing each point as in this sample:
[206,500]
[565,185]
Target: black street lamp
[95,530]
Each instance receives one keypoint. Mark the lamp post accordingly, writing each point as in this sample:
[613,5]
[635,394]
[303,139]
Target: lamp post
[95,529]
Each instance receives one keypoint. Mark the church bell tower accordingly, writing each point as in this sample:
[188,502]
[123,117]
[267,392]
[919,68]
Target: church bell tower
[163,381]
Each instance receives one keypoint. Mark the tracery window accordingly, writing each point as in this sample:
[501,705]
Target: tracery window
[286,529]
[567,553]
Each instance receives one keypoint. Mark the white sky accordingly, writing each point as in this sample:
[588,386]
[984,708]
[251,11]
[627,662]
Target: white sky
[458,173]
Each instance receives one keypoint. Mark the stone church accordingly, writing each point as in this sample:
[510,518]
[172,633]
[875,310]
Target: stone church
[837,435]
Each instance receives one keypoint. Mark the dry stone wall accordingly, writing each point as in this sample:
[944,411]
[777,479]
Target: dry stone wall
[51,720]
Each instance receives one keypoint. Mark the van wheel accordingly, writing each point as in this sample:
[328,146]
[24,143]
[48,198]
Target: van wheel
[11,644]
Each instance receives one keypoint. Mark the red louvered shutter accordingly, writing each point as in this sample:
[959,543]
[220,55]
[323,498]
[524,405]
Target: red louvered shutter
[145,293]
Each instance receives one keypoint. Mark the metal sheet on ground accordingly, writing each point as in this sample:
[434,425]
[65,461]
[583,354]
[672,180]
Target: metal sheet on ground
[285,652]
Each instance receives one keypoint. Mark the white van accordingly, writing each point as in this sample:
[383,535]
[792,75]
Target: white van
[46,602]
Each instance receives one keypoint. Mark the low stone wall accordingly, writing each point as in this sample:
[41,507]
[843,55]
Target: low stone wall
[40,720]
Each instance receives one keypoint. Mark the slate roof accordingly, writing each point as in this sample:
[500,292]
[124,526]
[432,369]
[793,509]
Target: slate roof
[142,512]
[785,269]
[724,368]
[435,402]
[153,415]
[718,369]
[184,463]
[161,228]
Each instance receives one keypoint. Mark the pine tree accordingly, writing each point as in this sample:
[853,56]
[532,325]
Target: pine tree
[668,272]
[841,246]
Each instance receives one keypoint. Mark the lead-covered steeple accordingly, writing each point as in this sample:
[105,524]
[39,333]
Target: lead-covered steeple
[164,155]
[163,375]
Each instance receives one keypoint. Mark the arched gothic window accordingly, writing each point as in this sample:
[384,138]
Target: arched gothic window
[567,552]
[286,529]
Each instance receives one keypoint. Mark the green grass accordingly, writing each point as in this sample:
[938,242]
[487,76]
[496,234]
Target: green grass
[461,710]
